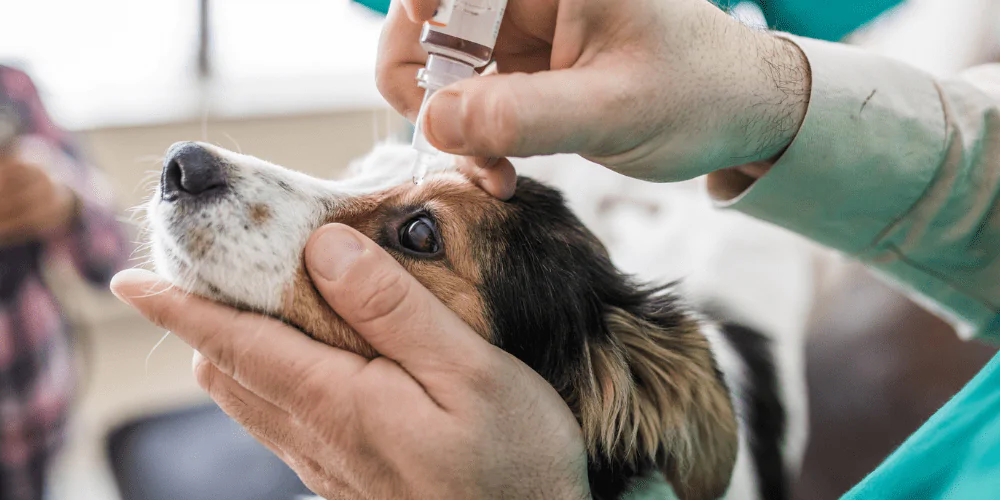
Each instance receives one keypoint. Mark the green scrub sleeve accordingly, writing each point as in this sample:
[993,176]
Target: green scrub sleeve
[900,170]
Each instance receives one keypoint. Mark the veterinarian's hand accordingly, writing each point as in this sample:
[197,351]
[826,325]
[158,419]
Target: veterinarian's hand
[655,89]
[443,414]
[32,204]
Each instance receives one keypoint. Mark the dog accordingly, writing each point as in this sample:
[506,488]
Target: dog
[658,388]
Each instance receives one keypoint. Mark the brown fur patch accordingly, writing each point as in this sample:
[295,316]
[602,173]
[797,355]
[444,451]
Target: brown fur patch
[655,396]
[259,213]
[199,242]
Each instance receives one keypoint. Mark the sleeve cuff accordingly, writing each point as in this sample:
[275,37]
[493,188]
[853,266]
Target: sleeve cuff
[871,142]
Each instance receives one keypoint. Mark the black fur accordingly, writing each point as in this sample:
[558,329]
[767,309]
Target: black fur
[765,413]
[553,284]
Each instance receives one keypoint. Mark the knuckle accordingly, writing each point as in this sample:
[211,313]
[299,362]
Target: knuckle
[214,346]
[208,378]
[372,382]
[493,121]
[160,305]
[392,79]
[157,306]
[385,293]
[387,78]
[316,398]
[480,372]
[384,81]
[383,73]
[158,314]
[235,346]
[204,374]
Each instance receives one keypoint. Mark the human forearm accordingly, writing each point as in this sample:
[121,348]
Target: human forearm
[895,168]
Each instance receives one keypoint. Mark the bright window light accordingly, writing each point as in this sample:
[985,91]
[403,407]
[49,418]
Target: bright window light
[265,38]
[121,62]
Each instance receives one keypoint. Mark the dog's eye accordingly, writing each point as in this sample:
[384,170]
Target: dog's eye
[418,235]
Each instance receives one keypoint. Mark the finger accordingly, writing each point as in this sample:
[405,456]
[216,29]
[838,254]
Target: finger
[269,424]
[273,360]
[496,176]
[287,436]
[400,318]
[400,56]
[419,11]
[564,111]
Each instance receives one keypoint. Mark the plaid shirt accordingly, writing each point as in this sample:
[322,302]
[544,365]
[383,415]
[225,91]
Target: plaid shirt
[37,368]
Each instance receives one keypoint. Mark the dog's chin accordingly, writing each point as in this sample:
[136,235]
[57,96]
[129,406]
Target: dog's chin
[181,271]
[301,305]
[180,276]
[195,286]
[222,264]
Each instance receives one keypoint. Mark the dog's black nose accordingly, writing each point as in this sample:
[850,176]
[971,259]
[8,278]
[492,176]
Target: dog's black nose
[190,168]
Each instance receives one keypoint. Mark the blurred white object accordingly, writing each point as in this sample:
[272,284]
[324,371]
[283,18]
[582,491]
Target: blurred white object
[942,37]
[749,14]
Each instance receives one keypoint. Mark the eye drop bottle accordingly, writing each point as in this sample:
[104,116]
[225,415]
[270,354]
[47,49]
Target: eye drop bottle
[458,39]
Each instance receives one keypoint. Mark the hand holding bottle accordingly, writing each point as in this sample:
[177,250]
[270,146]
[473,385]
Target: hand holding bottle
[659,90]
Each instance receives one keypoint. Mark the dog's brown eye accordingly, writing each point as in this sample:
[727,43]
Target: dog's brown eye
[418,235]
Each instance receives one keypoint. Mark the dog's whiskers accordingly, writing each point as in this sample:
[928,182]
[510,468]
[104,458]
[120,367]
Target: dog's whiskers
[151,293]
[151,351]
[231,139]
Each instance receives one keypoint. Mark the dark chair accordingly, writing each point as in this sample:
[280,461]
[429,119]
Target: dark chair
[878,367]
[196,454]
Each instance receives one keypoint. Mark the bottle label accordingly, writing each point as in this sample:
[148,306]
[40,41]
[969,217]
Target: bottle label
[477,21]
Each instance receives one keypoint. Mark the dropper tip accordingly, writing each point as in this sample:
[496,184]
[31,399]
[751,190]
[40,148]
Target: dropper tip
[420,167]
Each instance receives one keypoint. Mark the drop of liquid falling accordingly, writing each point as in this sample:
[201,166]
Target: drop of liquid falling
[420,167]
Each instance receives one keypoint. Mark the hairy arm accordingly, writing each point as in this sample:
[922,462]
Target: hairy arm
[898,169]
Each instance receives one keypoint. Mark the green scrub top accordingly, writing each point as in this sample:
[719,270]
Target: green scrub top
[955,455]
[901,170]
[829,20]
[824,20]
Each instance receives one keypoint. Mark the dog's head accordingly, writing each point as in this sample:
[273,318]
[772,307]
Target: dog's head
[525,274]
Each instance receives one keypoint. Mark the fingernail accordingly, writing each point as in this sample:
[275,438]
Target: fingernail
[443,124]
[333,252]
[196,360]
[125,283]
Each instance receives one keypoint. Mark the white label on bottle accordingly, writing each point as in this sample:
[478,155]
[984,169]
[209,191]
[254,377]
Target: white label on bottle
[477,21]
[443,13]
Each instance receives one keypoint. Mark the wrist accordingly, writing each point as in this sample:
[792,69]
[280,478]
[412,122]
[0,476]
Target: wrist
[780,100]
[777,100]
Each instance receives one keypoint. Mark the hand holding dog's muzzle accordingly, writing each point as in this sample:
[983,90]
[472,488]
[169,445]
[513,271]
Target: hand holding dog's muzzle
[441,414]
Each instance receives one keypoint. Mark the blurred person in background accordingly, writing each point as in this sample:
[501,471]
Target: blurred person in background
[51,207]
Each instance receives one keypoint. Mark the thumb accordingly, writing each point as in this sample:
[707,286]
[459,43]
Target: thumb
[400,318]
[520,115]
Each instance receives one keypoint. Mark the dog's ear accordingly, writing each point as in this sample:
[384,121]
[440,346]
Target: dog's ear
[655,398]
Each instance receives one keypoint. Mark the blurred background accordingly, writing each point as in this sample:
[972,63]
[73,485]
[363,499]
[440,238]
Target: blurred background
[292,82]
